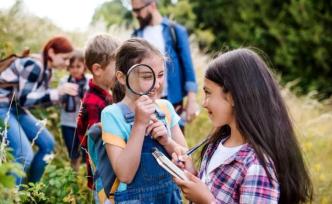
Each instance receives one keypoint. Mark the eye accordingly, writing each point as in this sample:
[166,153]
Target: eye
[147,76]
[207,92]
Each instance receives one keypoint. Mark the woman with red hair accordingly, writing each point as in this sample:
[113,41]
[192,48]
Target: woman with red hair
[31,76]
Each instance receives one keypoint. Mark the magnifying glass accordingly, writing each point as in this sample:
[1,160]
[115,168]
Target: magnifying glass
[141,79]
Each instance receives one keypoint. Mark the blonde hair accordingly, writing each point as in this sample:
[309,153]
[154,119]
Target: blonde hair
[100,49]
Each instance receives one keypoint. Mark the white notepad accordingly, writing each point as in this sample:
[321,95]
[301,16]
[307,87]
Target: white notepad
[168,165]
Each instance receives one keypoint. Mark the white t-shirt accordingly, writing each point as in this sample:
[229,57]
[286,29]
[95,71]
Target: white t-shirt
[221,154]
[154,35]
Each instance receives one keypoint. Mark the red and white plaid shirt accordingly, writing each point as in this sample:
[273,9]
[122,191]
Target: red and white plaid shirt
[241,178]
[94,101]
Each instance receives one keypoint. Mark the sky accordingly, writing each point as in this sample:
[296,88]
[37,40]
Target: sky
[70,15]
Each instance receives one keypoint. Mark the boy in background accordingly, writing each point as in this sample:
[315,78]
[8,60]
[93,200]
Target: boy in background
[71,106]
[99,58]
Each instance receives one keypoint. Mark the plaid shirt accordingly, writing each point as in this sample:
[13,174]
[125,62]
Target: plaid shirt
[94,101]
[241,178]
[32,80]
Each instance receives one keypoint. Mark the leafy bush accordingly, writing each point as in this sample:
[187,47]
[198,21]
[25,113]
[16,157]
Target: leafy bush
[8,190]
[295,34]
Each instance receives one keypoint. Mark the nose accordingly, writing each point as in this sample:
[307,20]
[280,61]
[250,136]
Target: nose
[204,103]
[159,81]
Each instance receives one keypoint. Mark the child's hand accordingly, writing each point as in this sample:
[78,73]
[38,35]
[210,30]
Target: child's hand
[68,88]
[194,189]
[158,131]
[144,108]
[183,161]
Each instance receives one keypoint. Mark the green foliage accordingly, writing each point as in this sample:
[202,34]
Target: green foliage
[19,30]
[181,12]
[2,125]
[60,184]
[33,193]
[295,34]
[7,180]
[112,12]
[8,191]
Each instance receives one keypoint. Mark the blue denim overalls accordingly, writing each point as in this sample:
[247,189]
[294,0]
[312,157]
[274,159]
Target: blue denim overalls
[151,184]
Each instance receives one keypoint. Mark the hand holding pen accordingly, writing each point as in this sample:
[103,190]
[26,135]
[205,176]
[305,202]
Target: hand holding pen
[196,147]
[184,161]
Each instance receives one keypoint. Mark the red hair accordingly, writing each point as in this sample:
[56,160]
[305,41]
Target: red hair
[59,44]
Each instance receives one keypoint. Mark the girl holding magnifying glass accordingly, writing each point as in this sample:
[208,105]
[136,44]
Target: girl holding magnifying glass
[138,122]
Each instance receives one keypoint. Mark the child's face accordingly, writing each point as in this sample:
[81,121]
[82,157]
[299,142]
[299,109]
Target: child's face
[158,66]
[218,104]
[107,75]
[76,69]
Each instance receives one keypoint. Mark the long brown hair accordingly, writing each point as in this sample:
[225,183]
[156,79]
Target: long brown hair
[262,117]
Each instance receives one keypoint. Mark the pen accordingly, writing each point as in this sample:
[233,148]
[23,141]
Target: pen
[193,149]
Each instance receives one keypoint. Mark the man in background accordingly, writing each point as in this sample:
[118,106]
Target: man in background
[172,40]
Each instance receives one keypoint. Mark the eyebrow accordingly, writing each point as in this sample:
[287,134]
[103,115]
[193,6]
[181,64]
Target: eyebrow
[145,72]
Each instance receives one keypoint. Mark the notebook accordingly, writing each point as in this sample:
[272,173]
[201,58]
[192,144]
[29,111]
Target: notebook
[168,165]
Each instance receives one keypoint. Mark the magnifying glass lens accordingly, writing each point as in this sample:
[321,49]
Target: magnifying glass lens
[141,79]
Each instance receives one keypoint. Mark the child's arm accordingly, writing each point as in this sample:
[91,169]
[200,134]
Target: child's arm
[125,161]
[125,158]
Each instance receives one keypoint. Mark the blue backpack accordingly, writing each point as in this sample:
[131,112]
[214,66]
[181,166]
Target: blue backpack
[103,173]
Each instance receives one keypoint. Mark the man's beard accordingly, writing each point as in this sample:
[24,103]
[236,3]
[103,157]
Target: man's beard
[144,21]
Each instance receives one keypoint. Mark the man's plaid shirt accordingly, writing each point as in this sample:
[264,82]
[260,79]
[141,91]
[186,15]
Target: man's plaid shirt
[241,178]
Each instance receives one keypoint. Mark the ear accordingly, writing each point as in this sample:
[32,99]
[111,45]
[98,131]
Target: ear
[120,77]
[96,69]
[50,53]
[229,98]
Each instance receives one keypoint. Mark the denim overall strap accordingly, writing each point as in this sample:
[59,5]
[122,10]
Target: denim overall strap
[130,116]
[151,184]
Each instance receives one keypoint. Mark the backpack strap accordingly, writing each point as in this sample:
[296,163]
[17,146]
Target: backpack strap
[126,112]
[4,65]
[163,107]
[6,62]
[130,116]
[172,27]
